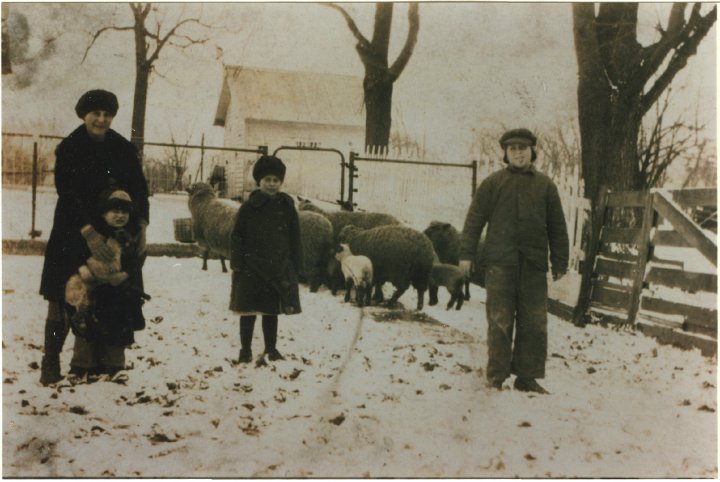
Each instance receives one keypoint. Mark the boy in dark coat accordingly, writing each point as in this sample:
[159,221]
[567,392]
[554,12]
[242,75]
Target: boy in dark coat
[522,210]
[92,159]
[265,256]
[114,309]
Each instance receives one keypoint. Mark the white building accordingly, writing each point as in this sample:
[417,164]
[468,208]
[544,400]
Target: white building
[274,108]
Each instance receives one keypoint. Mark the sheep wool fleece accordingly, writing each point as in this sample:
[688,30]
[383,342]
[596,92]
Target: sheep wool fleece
[265,255]
[523,212]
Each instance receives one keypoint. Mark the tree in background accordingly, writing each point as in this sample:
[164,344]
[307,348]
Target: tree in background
[380,76]
[151,36]
[619,81]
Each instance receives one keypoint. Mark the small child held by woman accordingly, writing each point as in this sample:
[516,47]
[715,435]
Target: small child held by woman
[107,296]
[265,257]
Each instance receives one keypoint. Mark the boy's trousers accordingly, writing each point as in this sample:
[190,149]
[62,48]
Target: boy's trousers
[516,302]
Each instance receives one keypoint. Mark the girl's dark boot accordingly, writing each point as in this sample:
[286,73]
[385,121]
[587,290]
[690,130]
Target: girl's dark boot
[247,326]
[56,330]
[270,327]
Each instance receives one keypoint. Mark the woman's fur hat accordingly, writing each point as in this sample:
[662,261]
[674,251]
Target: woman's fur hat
[267,165]
[98,99]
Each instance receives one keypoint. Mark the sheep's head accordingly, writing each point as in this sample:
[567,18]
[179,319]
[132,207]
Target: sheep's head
[348,233]
[307,205]
[343,251]
[438,226]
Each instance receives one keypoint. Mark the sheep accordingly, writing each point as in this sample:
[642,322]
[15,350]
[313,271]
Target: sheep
[449,276]
[400,255]
[212,223]
[446,242]
[340,219]
[358,272]
[316,237]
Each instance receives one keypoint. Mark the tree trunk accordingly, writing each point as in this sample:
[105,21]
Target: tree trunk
[378,106]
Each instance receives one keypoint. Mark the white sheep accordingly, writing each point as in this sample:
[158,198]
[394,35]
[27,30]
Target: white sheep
[358,272]
[212,222]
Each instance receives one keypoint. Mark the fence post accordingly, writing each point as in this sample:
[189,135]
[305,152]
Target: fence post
[34,233]
[351,177]
[474,165]
[643,255]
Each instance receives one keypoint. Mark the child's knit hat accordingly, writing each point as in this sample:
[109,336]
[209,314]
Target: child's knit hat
[116,199]
[267,165]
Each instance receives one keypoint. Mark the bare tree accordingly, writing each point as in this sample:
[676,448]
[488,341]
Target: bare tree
[619,80]
[380,76]
[151,36]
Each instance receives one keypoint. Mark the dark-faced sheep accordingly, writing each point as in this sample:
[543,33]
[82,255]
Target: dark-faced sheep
[446,242]
[316,237]
[400,255]
[449,276]
[358,272]
[340,219]
[212,222]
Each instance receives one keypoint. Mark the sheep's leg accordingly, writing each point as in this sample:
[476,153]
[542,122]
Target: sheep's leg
[222,262]
[360,294]
[378,297]
[368,293]
[348,288]
[206,255]
[398,293]
[420,300]
[433,294]
[467,290]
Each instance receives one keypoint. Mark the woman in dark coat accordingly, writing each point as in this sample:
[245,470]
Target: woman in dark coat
[265,257]
[92,159]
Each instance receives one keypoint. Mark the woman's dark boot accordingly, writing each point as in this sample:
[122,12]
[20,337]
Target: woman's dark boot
[56,330]
[270,326]
[247,326]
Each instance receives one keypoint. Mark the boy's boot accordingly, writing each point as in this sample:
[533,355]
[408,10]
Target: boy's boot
[247,325]
[55,332]
[529,385]
[270,326]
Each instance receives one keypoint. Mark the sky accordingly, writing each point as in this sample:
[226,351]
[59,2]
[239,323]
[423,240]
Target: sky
[476,66]
[362,393]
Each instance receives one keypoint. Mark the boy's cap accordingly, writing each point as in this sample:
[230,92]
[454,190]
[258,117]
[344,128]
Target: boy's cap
[521,136]
[98,99]
[267,165]
[117,199]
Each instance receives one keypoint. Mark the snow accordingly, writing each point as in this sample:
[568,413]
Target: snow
[376,392]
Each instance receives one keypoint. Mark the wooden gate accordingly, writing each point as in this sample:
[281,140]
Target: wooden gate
[656,265]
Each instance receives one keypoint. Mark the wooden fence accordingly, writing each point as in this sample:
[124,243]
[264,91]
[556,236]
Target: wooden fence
[656,265]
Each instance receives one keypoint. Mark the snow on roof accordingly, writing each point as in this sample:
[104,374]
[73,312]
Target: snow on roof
[278,95]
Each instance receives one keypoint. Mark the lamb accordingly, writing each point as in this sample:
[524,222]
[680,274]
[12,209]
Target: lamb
[449,276]
[212,222]
[316,238]
[340,219]
[400,255]
[446,242]
[358,272]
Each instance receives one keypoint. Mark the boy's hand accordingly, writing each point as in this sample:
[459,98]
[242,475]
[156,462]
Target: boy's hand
[466,267]
[96,243]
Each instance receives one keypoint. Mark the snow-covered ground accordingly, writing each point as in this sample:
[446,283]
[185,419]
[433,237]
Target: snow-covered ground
[362,393]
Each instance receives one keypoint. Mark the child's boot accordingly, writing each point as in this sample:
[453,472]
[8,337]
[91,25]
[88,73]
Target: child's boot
[55,333]
[270,326]
[247,326]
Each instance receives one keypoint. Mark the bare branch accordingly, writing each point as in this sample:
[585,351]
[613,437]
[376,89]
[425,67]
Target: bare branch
[362,41]
[683,50]
[410,41]
[97,35]
[162,41]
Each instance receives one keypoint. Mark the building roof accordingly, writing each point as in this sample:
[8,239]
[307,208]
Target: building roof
[277,95]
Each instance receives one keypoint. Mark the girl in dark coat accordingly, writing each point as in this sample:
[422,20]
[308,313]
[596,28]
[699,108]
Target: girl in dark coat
[92,159]
[265,257]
